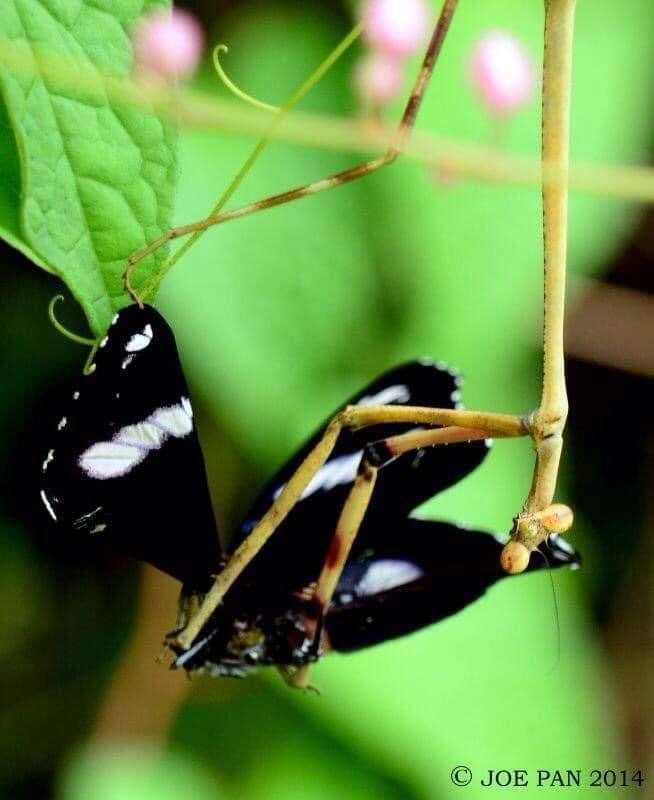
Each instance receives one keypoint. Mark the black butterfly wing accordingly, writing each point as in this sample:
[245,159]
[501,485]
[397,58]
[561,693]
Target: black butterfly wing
[294,555]
[124,461]
[411,479]
[418,573]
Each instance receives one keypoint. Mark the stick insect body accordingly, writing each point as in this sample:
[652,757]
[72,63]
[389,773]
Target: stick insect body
[539,516]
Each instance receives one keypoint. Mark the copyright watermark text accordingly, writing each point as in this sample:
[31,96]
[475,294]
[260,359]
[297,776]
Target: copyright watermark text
[462,775]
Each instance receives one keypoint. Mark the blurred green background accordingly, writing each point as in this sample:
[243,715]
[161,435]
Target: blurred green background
[281,316]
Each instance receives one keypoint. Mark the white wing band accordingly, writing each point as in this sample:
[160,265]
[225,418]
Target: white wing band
[132,443]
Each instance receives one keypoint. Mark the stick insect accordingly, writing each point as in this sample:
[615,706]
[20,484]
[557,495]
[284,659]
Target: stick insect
[405,428]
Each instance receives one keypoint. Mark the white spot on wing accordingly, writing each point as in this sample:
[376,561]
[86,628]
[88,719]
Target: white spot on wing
[143,434]
[80,522]
[98,528]
[186,405]
[132,443]
[46,503]
[562,543]
[62,423]
[110,459]
[140,340]
[104,341]
[391,394]
[173,419]
[75,395]
[334,473]
[115,319]
[48,459]
[127,361]
[338,471]
[388,573]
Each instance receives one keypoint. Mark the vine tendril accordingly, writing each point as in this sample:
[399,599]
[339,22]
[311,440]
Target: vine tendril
[63,330]
[89,365]
[236,181]
[233,88]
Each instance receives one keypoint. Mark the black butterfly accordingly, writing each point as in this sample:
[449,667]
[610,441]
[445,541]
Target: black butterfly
[126,464]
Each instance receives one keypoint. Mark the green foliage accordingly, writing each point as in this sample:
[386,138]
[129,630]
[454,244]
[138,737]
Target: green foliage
[118,773]
[85,182]
[283,314]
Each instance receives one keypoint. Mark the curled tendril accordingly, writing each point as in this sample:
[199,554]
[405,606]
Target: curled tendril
[233,88]
[89,366]
[64,331]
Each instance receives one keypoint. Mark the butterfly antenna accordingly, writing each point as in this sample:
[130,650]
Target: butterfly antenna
[74,337]
[555,603]
[233,88]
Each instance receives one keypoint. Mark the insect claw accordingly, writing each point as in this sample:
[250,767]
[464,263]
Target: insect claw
[514,557]
[530,529]
[166,656]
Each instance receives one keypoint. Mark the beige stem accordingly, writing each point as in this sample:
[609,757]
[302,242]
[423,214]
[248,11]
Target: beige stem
[549,420]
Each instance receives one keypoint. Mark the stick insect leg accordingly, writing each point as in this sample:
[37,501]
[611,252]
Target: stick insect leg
[556,518]
[548,421]
[346,176]
[376,456]
[354,417]
[347,528]
[297,677]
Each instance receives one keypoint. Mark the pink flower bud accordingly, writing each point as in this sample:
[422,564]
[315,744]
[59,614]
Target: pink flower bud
[396,28]
[378,79]
[502,72]
[168,43]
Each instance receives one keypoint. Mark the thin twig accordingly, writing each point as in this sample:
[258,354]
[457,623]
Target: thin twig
[345,176]
[195,109]
[294,98]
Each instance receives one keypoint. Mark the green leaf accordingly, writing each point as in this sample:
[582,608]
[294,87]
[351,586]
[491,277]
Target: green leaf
[10,229]
[96,179]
